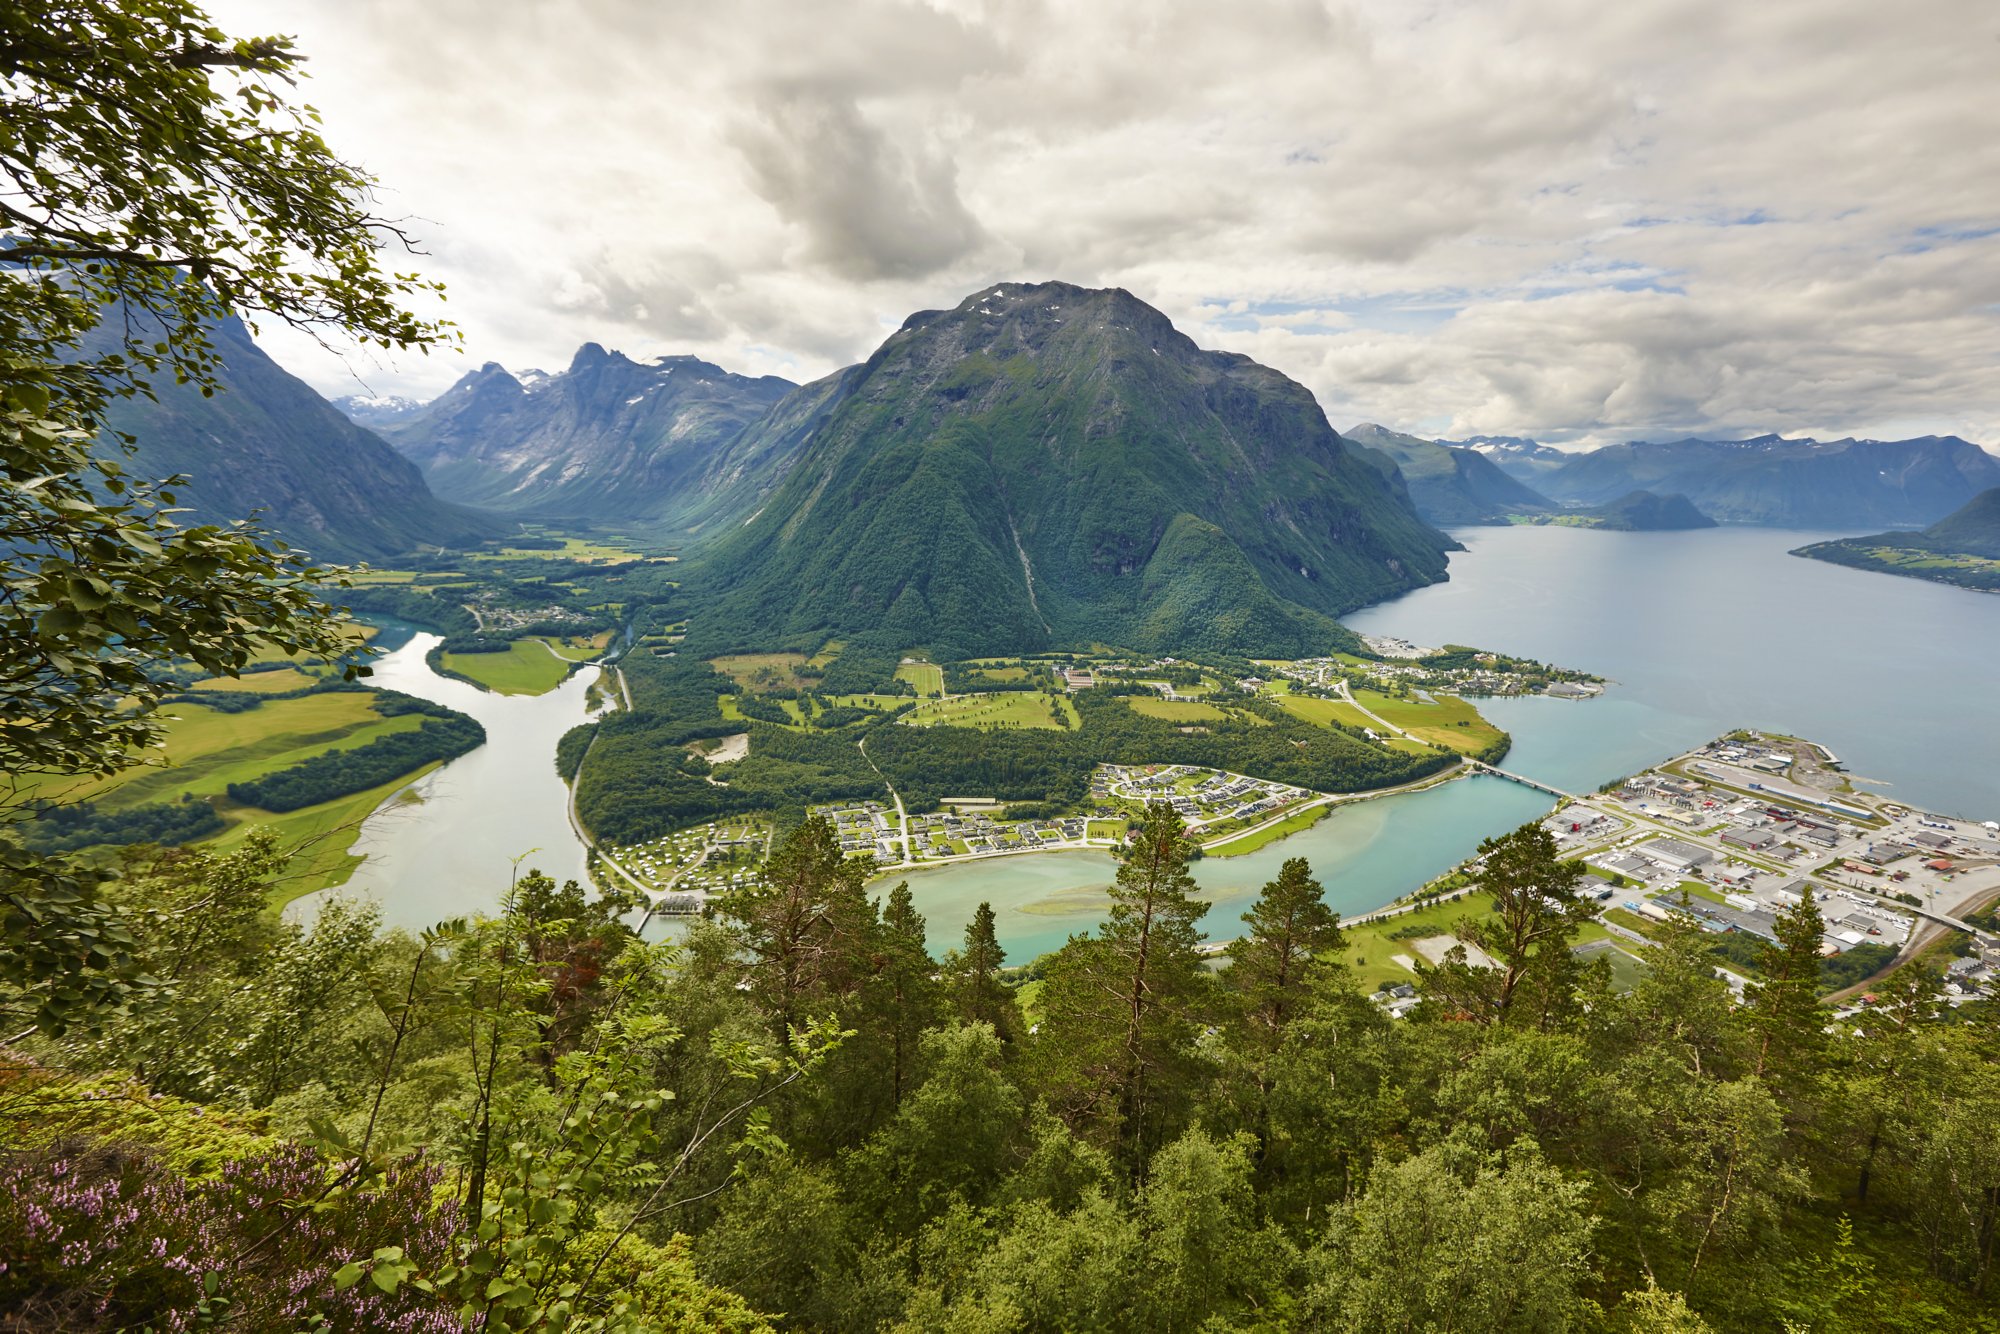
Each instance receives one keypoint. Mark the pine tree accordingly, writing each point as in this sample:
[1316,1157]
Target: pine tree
[807,926]
[904,991]
[1120,1010]
[1290,928]
[980,995]
[1536,913]
[1783,1011]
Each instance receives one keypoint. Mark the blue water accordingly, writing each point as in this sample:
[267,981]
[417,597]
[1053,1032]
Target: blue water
[1721,628]
[1701,632]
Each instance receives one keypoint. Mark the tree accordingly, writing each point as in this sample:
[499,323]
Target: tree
[1120,1010]
[807,926]
[1783,1012]
[903,994]
[1536,913]
[1433,1246]
[154,179]
[980,995]
[154,174]
[1290,927]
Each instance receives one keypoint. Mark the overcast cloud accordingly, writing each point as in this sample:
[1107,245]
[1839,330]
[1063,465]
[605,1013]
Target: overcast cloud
[1565,218]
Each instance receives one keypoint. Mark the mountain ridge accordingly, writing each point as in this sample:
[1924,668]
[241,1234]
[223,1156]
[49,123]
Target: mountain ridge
[1046,463]
[267,441]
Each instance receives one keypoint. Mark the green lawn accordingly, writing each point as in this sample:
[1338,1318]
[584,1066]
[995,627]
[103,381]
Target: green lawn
[528,667]
[1370,945]
[927,677]
[764,671]
[1175,710]
[1325,712]
[1449,721]
[1291,824]
[1009,708]
[260,683]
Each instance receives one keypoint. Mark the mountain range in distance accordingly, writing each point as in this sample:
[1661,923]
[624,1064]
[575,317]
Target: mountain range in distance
[1963,548]
[1043,464]
[1765,480]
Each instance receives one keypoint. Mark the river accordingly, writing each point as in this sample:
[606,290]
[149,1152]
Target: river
[447,845]
[1699,632]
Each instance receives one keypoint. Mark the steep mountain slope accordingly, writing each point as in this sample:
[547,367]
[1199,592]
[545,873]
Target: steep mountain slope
[1450,486]
[1974,530]
[266,441]
[608,438]
[1047,464]
[1789,483]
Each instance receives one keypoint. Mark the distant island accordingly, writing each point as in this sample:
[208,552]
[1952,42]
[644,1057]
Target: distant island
[1634,512]
[1963,548]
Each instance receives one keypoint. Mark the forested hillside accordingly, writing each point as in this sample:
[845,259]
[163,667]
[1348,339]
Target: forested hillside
[800,1119]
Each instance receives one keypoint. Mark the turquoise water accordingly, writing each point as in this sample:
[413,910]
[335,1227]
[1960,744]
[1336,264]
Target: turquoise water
[1365,855]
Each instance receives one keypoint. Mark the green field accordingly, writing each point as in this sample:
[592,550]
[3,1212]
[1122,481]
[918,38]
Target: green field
[927,677]
[1175,710]
[1291,824]
[1325,712]
[1449,721]
[1370,945]
[574,548]
[1010,708]
[207,750]
[764,671]
[528,667]
[260,683]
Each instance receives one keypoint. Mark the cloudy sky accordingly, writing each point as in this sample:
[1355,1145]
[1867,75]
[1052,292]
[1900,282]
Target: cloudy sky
[1565,218]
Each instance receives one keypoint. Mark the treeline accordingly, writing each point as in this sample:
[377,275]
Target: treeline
[54,828]
[419,606]
[443,735]
[926,763]
[804,1117]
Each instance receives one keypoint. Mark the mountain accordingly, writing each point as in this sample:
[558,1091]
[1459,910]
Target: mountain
[376,411]
[608,438]
[1645,512]
[1788,483]
[1450,486]
[1972,531]
[1048,464]
[266,441]
[1520,458]
[1962,548]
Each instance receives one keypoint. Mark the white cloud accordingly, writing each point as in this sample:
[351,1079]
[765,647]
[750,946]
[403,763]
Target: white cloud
[1554,217]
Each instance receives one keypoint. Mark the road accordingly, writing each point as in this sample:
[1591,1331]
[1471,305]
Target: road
[902,816]
[1383,723]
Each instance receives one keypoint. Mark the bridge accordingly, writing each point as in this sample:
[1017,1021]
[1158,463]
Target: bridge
[1523,780]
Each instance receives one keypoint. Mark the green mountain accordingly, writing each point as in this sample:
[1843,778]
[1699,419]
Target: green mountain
[1047,464]
[609,438]
[1963,548]
[1450,486]
[1787,483]
[1972,531]
[1645,512]
[266,441]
